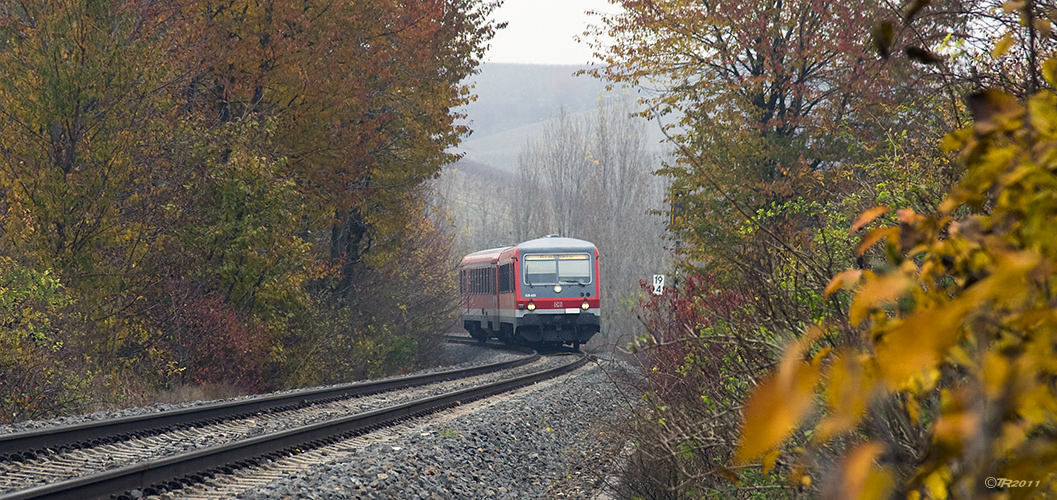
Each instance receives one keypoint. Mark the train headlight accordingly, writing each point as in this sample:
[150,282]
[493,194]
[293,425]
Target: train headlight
[557,288]
[585,306]
[531,306]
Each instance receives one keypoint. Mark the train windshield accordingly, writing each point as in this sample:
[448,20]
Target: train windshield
[555,269]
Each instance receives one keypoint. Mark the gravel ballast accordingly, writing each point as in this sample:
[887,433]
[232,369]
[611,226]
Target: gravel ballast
[449,357]
[550,440]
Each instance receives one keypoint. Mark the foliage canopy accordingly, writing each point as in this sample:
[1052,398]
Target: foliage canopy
[213,182]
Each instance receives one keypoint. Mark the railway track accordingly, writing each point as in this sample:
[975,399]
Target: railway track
[109,458]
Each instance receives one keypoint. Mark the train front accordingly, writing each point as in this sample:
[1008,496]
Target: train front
[558,296]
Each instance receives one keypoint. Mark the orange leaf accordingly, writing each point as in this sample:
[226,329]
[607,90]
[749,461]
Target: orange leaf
[769,459]
[954,429]
[820,355]
[866,217]
[909,216]
[728,474]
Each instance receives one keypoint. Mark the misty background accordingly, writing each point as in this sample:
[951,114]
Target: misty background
[554,153]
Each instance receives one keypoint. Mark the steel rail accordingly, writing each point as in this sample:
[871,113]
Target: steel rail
[176,471]
[25,445]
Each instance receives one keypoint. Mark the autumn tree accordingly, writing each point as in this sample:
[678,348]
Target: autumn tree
[780,115]
[213,180]
[365,91]
[957,330]
[785,124]
[765,95]
[85,159]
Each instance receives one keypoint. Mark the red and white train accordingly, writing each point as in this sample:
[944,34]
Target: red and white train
[541,291]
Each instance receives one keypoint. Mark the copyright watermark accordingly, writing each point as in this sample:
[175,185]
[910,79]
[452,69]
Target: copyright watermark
[1005,482]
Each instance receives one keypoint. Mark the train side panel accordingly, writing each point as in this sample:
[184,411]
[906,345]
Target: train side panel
[478,286]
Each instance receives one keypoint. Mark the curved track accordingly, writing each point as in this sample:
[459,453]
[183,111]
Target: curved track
[174,471]
[28,445]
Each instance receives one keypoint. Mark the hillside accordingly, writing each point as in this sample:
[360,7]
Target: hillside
[513,95]
[514,101]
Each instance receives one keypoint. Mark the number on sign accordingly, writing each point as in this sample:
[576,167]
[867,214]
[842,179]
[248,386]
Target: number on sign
[658,284]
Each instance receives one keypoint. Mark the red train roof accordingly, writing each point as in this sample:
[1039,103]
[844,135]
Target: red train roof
[483,256]
[551,243]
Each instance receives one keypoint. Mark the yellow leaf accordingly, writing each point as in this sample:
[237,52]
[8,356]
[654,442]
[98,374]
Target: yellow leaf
[844,280]
[769,459]
[876,292]
[860,478]
[1012,6]
[919,342]
[1042,109]
[1002,45]
[847,394]
[1049,71]
[871,238]
[777,405]
[866,217]
[996,372]
[913,409]
[937,483]
[993,110]
[1009,282]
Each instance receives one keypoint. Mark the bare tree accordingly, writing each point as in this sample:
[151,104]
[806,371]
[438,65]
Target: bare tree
[592,179]
[531,218]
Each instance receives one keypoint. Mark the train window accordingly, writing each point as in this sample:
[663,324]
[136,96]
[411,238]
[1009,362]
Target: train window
[574,268]
[481,281]
[540,269]
[506,278]
[552,269]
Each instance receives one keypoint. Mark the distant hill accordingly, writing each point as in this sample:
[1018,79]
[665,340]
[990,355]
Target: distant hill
[513,95]
[514,100]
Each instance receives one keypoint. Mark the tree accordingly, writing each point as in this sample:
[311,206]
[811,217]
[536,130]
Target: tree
[957,330]
[365,90]
[85,153]
[210,180]
[764,91]
[786,125]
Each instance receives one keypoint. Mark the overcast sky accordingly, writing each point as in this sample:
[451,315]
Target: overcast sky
[542,31]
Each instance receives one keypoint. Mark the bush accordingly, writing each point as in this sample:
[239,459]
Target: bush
[35,378]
